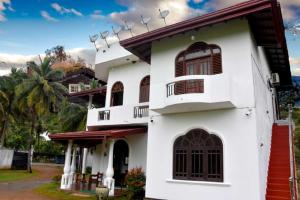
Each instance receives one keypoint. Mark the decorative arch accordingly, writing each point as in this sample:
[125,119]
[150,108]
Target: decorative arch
[117,92]
[145,89]
[199,59]
[198,156]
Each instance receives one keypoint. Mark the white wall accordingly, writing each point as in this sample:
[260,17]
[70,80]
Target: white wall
[264,111]
[238,131]
[241,168]
[235,42]
[100,159]
[130,75]
[6,158]
[137,153]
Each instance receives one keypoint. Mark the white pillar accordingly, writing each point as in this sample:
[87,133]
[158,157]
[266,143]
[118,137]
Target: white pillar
[73,167]
[85,151]
[90,101]
[109,181]
[65,185]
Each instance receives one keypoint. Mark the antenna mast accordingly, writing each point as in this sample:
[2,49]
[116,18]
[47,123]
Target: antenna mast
[93,40]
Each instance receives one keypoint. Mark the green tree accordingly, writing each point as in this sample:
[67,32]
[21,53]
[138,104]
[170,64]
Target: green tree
[57,54]
[94,83]
[7,99]
[39,95]
[71,117]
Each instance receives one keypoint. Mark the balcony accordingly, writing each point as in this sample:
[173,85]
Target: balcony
[119,115]
[194,93]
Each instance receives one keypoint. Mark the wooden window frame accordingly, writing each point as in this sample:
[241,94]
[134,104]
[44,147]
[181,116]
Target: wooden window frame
[117,87]
[185,146]
[214,59]
[144,97]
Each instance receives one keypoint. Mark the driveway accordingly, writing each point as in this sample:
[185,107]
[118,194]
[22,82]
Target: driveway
[23,190]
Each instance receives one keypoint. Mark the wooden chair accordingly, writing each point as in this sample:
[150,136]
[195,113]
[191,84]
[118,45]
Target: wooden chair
[80,181]
[95,178]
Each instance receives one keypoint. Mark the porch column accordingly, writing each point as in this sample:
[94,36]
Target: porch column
[65,185]
[85,151]
[73,166]
[109,181]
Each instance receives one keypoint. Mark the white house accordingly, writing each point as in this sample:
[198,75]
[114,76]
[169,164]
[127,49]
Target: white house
[195,105]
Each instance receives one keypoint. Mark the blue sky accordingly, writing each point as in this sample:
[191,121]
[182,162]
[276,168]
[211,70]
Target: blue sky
[26,32]
[29,27]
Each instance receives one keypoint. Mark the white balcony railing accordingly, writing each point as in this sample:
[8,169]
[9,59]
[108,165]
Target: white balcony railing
[119,115]
[74,88]
[104,115]
[141,111]
[193,93]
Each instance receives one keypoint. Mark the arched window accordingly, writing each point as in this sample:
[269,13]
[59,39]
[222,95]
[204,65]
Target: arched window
[145,89]
[117,94]
[198,156]
[199,59]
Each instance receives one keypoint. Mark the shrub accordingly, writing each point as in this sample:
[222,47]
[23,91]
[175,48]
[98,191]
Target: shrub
[88,170]
[56,178]
[135,181]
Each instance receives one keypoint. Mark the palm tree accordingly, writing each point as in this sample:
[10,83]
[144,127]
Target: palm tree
[73,117]
[7,98]
[39,95]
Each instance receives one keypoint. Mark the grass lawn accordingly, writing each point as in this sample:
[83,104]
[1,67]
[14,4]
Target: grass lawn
[52,191]
[7,175]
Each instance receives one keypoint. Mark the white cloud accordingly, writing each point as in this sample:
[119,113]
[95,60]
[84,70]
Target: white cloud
[62,10]
[7,61]
[47,16]
[295,66]
[289,7]
[179,11]
[4,4]
[97,14]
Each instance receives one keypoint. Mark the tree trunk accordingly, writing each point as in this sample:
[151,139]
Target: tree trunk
[29,158]
[30,142]
[2,133]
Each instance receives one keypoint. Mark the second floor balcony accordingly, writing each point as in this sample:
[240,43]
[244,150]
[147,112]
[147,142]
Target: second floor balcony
[119,115]
[194,93]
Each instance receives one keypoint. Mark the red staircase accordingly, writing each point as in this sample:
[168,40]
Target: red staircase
[278,186]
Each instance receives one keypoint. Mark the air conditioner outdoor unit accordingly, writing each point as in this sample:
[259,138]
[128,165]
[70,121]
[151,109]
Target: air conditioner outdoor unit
[275,79]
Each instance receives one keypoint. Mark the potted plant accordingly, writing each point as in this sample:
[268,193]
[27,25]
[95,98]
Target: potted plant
[135,181]
[102,192]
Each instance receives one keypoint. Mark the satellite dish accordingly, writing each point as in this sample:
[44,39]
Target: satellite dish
[116,31]
[145,21]
[104,35]
[93,40]
[129,26]
[163,14]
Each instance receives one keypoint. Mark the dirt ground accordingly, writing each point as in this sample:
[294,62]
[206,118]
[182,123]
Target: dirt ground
[23,190]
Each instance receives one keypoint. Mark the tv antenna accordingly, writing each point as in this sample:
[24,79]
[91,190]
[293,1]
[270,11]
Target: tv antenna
[104,36]
[163,14]
[145,21]
[129,26]
[93,40]
[117,31]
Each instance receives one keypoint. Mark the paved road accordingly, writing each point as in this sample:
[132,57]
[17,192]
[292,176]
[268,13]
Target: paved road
[23,190]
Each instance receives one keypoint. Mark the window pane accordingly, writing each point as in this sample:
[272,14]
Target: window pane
[214,167]
[197,164]
[181,163]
